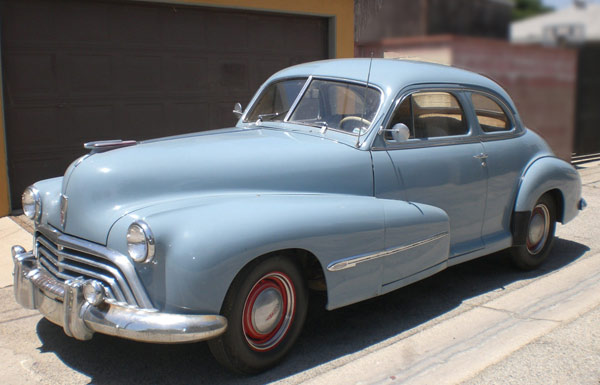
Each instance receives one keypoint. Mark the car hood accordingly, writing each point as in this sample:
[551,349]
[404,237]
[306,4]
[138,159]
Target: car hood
[103,187]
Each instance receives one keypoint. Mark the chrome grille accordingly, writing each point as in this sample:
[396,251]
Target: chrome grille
[66,257]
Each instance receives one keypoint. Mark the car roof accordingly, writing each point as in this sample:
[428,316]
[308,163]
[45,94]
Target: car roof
[392,73]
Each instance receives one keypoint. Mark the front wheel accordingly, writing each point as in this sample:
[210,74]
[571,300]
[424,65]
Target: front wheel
[540,235]
[265,308]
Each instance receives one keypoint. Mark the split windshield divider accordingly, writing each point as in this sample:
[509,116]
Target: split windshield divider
[297,100]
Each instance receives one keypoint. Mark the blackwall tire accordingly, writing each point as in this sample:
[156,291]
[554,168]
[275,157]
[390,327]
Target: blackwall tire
[540,236]
[265,309]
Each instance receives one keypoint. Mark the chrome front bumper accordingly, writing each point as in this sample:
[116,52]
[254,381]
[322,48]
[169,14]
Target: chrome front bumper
[63,303]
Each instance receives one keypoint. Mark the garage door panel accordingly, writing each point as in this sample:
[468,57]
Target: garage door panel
[88,123]
[141,120]
[30,22]
[189,117]
[228,32]
[76,22]
[28,170]
[186,74]
[138,24]
[80,71]
[88,74]
[140,73]
[39,128]
[233,76]
[309,31]
[184,27]
[32,76]
[263,39]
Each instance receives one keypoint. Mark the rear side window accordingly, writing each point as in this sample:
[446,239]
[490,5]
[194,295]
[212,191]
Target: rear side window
[490,115]
[431,115]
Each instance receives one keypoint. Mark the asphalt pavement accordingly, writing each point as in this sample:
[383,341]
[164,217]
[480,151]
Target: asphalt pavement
[480,322]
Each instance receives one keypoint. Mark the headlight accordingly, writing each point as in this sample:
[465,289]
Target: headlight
[32,203]
[140,242]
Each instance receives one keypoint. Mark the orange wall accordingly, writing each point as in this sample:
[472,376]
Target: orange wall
[4,192]
[341,13]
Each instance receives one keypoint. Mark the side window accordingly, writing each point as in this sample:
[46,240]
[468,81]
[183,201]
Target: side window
[430,115]
[402,114]
[490,115]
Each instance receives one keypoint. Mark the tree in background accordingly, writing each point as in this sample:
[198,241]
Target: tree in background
[527,8]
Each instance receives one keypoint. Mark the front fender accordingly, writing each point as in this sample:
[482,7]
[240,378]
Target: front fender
[546,174]
[202,243]
[50,195]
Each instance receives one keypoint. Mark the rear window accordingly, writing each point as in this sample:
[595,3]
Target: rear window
[490,115]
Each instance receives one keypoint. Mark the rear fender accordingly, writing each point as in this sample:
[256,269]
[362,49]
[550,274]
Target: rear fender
[547,174]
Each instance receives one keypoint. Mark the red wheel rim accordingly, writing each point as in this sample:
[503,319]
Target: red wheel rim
[269,311]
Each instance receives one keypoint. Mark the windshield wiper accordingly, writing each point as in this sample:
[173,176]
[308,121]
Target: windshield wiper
[318,124]
[271,115]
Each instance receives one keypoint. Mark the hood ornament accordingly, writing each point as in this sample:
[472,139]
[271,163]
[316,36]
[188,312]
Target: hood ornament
[64,203]
[107,145]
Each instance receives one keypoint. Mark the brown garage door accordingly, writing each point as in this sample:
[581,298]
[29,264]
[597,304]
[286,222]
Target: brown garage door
[79,71]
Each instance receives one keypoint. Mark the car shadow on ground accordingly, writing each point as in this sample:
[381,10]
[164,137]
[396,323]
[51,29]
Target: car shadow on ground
[327,334]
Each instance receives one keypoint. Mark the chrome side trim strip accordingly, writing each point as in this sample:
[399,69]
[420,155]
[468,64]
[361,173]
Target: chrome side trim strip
[347,263]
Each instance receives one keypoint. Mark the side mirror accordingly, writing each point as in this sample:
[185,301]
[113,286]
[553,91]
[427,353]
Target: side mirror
[237,110]
[400,132]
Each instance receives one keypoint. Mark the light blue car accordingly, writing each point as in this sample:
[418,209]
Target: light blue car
[354,177]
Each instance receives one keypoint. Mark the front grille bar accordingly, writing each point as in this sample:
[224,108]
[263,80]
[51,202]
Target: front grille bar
[63,266]
[58,270]
[127,285]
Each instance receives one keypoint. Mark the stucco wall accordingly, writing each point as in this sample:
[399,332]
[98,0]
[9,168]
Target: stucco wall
[375,19]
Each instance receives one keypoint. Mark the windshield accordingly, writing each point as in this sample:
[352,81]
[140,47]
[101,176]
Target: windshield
[333,104]
[276,100]
[337,105]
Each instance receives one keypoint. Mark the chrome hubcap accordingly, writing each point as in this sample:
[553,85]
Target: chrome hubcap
[539,227]
[268,311]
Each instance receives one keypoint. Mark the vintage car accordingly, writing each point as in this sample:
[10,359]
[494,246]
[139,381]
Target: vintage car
[355,177]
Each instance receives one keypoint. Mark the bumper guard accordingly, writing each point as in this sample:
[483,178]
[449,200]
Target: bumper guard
[64,304]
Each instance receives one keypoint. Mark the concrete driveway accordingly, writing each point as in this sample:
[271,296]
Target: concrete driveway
[481,322]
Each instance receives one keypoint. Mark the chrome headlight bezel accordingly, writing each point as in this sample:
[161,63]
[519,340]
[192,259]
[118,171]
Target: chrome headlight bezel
[140,242]
[32,203]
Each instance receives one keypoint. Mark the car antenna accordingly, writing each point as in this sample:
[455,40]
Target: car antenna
[362,117]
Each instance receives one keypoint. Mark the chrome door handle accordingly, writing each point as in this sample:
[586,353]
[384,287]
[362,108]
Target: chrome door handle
[480,156]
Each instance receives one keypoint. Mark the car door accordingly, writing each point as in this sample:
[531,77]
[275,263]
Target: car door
[441,164]
[508,155]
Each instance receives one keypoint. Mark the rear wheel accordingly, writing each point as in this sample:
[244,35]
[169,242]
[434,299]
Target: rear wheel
[540,235]
[265,308]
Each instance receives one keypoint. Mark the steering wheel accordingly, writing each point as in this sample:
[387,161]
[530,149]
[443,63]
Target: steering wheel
[355,119]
